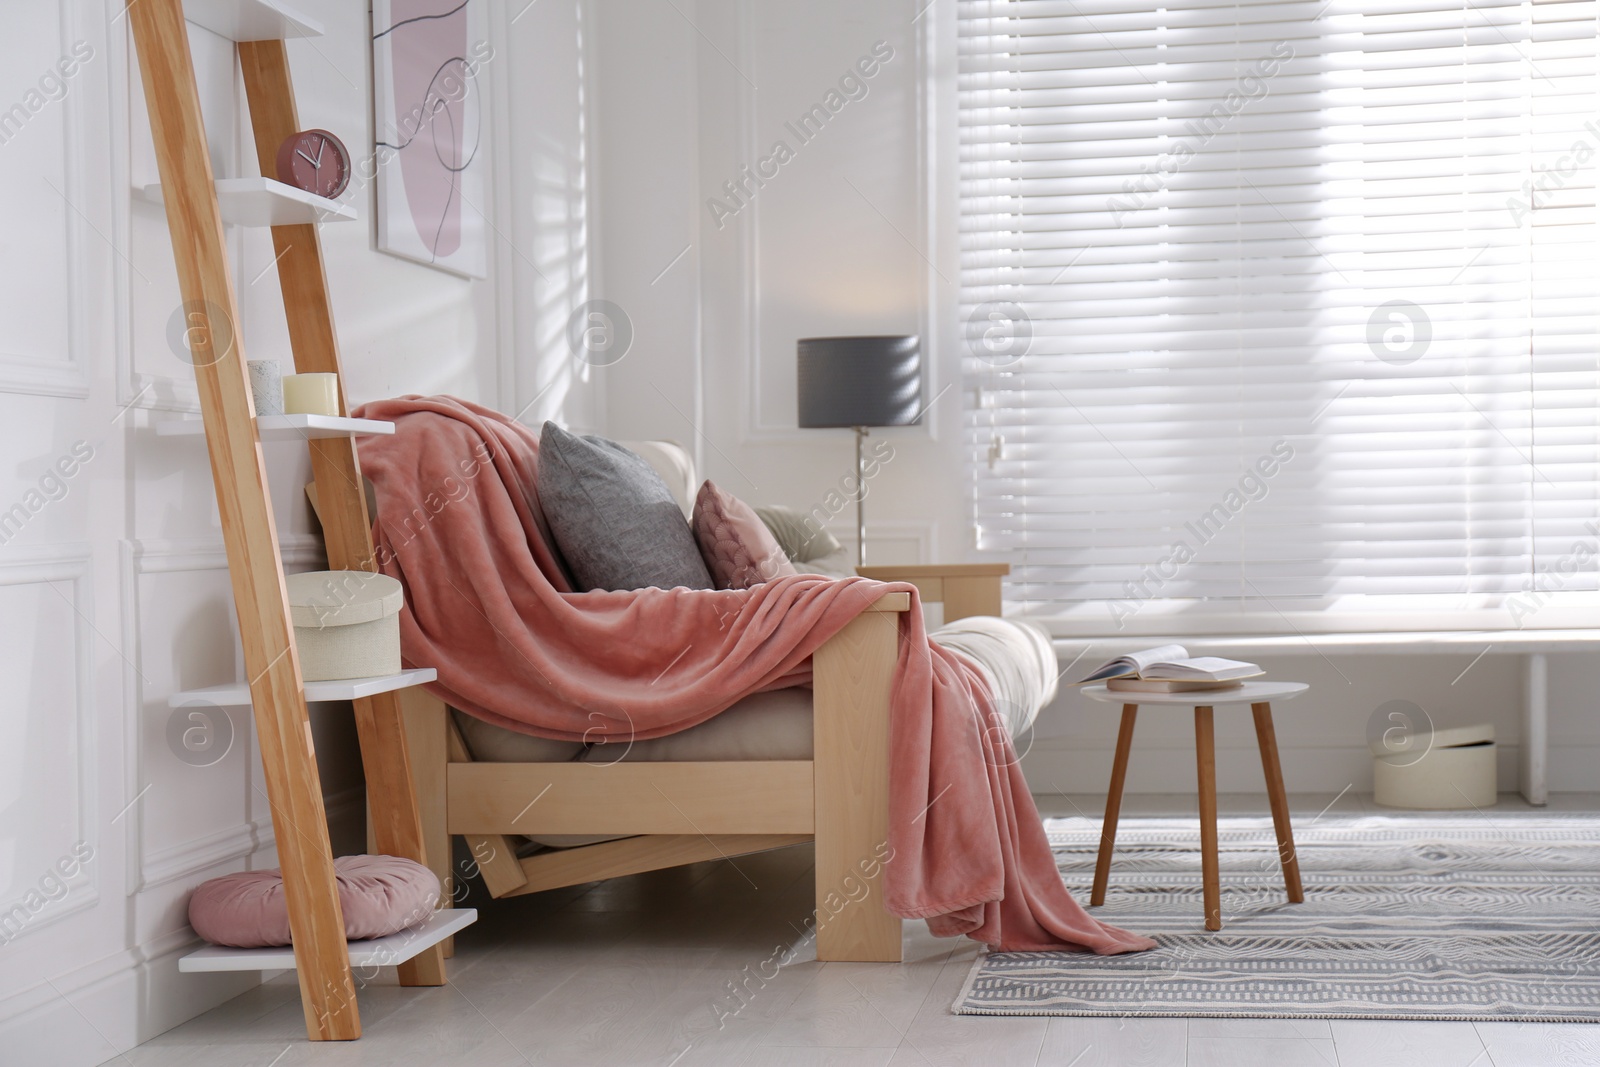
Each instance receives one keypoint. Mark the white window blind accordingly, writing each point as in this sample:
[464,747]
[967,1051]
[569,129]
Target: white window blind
[1283,309]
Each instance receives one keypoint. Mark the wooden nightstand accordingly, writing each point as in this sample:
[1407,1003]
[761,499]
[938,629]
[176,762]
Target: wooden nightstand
[963,588]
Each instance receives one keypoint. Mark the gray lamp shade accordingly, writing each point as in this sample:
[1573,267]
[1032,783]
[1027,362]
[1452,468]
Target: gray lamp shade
[860,381]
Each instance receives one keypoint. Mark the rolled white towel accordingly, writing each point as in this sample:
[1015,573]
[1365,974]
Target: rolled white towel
[1015,656]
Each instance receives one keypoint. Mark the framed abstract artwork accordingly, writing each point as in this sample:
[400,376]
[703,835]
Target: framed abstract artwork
[429,131]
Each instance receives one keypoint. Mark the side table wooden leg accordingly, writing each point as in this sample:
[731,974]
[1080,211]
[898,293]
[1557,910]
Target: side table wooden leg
[1206,761]
[1108,829]
[1267,741]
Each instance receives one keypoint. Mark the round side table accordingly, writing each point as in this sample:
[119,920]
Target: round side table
[1259,695]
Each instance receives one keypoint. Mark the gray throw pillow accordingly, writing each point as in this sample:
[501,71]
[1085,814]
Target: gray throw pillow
[613,518]
[801,537]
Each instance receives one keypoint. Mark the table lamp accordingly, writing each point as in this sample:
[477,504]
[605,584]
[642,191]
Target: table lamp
[860,382]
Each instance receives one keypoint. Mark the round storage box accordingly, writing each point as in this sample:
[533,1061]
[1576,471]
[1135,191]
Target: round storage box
[346,623]
[1456,771]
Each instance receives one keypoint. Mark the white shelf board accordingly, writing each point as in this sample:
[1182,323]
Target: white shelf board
[251,20]
[237,694]
[266,202]
[286,427]
[379,952]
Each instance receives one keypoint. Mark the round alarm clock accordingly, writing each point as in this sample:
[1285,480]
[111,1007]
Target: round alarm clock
[315,161]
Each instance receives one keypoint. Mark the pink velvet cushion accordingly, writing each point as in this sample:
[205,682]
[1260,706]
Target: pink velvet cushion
[738,548]
[380,895]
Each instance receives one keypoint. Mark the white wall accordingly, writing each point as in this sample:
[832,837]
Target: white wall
[546,218]
[847,238]
[833,243]
[116,594]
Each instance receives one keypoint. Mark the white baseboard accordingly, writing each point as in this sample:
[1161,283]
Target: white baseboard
[1573,766]
[91,1015]
[1058,766]
[1166,765]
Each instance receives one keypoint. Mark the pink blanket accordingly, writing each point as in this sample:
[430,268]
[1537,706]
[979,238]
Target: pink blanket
[488,605]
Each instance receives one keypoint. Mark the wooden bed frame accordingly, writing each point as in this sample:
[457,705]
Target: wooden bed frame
[690,812]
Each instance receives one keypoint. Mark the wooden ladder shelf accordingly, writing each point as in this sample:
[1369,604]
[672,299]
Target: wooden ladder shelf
[321,953]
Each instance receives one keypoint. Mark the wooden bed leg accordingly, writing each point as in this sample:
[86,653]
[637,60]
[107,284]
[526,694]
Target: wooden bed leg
[852,678]
[493,854]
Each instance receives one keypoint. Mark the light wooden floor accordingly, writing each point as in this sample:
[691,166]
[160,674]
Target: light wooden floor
[643,970]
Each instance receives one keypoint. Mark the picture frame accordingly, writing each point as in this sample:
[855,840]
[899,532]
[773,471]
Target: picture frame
[430,132]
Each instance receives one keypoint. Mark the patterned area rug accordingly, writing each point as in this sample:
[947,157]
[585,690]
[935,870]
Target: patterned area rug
[1482,917]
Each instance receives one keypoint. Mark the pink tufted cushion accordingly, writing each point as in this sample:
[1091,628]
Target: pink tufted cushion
[380,895]
[738,548]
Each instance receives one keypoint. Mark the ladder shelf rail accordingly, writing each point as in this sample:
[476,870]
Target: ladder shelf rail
[276,689]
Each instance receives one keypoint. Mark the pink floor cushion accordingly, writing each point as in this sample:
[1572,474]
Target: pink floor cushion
[380,895]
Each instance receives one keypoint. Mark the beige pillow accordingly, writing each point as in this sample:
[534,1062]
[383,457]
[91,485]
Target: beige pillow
[802,539]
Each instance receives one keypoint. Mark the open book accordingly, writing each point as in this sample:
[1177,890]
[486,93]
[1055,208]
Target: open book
[1173,663]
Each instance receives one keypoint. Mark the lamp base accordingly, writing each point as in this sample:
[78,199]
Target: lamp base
[861,500]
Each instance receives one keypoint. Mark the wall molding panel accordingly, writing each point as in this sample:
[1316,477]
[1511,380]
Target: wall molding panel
[149,868]
[755,425]
[69,376]
[161,867]
[69,565]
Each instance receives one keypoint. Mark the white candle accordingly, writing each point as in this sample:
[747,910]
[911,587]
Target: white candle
[266,386]
[311,394]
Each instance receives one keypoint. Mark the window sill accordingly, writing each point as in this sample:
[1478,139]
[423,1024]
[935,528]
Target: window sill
[1190,625]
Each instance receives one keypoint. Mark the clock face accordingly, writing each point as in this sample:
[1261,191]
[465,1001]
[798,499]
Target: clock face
[316,161]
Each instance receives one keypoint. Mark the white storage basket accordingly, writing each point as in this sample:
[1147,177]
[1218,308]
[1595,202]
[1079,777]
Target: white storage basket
[346,623]
[1457,771]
